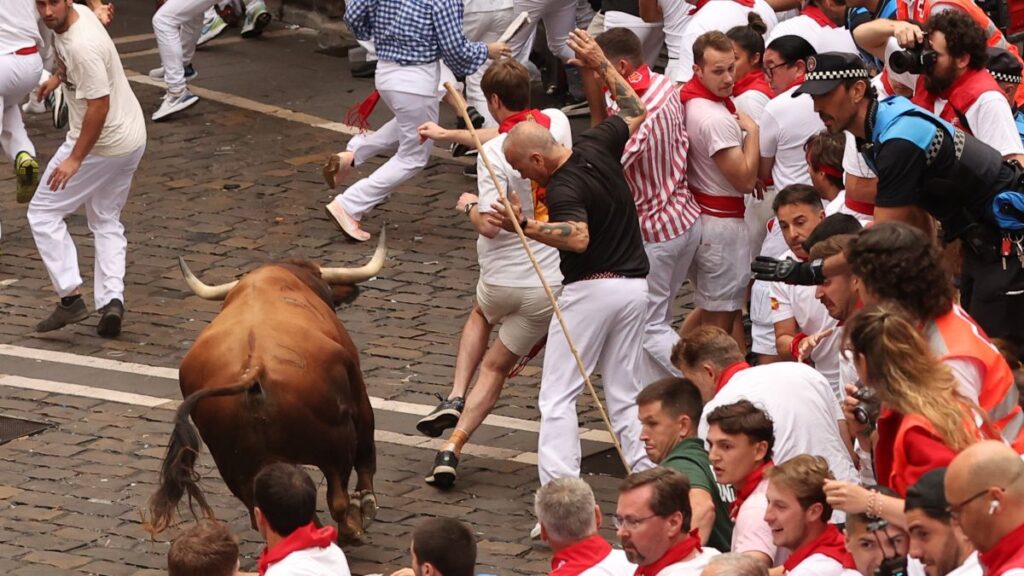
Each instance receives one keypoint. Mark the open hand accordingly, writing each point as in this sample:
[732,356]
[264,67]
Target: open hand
[498,216]
[588,53]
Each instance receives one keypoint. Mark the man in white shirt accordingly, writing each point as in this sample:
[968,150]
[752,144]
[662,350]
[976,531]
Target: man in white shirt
[652,519]
[798,515]
[20,68]
[508,291]
[934,540]
[284,505]
[954,84]
[799,400]
[722,168]
[569,518]
[95,165]
[796,315]
[820,22]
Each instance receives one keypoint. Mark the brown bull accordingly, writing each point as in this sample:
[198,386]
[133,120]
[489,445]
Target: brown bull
[275,377]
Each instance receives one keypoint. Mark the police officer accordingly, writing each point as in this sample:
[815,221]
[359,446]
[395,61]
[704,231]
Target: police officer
[1006,70]
[925,167]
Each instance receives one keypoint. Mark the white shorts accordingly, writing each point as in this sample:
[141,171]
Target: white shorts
[762,330]
[722,265]
[524,314]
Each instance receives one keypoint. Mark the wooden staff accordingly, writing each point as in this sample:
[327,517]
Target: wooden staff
[460,105]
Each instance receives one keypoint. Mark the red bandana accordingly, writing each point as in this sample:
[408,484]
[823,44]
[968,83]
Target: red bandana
[749,485]
[305,537]
[1006,555]
[640,80]
[797,81]
[531,115]
[960,96]
[696,89]
[815,13]
[728,373]
[674,555]
[754,80]
[830,543]
[828,170]
[701,3]
[580,557]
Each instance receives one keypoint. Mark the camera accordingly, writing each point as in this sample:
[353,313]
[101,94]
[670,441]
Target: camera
[867,411]
[913,60]
[894,566]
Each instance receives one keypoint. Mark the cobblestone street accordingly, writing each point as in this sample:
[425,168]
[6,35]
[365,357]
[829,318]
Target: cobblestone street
[232,183]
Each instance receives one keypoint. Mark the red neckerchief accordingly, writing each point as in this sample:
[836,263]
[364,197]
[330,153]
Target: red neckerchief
[640,80]
[581,556]
[696,89]
[305,537]
[673,555]
[1007,554]
[796,81]
[749,485]
[886,83]
[701,3]
[728,373]
[830,543]
[753,80]
[815,13]
[959,97]
[523,116]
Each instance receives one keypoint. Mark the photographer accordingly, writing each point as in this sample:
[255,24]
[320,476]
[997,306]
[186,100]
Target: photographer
[926,168]
[879,548]
[945,62]
[924,421]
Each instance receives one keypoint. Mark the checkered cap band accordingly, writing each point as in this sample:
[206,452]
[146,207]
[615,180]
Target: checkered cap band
[837,74]
[1011,78]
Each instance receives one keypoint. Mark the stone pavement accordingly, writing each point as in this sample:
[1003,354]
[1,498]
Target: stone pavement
[228,189]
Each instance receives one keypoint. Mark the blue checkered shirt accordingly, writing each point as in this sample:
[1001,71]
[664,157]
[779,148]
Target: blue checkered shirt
[416,32]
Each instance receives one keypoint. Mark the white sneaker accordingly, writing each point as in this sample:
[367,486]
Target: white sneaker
[535,531]
[158,73]
[174,103]
[212,27]
[34,106]
[256,19]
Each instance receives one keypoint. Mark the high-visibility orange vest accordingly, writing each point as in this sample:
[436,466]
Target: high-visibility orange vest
[902,474]
[995,37]
[956,335]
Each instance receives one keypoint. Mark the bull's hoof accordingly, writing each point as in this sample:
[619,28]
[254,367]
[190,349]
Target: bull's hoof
[368,507]
[351,539]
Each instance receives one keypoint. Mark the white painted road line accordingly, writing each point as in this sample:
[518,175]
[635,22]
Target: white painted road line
[82,391]
[397,406]
[217,42]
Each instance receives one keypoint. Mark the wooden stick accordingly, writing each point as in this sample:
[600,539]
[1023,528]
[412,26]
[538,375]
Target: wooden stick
[460,105]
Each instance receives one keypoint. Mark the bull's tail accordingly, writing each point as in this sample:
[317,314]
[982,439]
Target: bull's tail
[177,473]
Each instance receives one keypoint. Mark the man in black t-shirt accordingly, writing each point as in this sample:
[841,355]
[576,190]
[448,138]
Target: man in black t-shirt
[592,221]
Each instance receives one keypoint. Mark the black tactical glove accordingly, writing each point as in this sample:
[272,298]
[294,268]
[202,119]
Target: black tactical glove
[789,271]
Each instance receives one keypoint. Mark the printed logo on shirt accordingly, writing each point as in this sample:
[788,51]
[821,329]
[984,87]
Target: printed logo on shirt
[775,303]
[540,202]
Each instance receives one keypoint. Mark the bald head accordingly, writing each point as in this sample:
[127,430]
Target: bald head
[527,138]
[988,463]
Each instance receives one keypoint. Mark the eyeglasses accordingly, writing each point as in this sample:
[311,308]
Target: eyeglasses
[954,509]
[769,71]
[629,523]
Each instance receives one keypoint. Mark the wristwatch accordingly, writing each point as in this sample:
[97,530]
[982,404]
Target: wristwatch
[469,207]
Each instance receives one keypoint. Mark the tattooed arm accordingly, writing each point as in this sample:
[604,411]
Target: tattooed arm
[590,56]
[569,236]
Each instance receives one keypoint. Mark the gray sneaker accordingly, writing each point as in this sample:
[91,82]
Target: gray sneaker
[111,316]
[445,416]
[64,315]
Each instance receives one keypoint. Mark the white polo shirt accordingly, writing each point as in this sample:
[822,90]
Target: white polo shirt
[802,406]
[752,103]
[711,128]
[798,302]
[786,125]
[614,564]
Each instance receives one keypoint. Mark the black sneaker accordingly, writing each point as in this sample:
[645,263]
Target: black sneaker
[445,416]
[365,70]
[111,315]
[64,315]
[443,475]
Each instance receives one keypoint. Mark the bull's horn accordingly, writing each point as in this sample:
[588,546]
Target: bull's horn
[218,292]
[356,275]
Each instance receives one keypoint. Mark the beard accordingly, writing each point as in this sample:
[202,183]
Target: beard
[938,82]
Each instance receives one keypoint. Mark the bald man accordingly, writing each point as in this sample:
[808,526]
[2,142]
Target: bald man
[985,491]
[592,222]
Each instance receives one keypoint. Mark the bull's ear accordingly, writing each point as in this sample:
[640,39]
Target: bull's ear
[344,294]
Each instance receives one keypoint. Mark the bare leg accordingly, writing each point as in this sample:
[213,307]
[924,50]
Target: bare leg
[493,370]
[692,321]
[472,345]
[725,321]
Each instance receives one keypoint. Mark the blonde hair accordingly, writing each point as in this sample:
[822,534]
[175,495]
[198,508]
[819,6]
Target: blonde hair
[908,377]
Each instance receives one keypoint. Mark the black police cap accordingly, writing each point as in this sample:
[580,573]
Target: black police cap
[827,70]
[1003,65]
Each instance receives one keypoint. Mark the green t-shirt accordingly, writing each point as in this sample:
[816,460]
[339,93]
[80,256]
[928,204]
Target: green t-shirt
[691,458]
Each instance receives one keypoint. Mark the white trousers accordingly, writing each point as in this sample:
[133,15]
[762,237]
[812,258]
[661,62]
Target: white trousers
[559,18]
[650,33]
[605,319]
[102,185]
[484,27]
[410,110]
[670,265]
[177,26]
[18,76]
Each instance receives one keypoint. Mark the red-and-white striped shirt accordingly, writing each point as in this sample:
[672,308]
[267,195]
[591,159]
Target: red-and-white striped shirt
[654,162]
